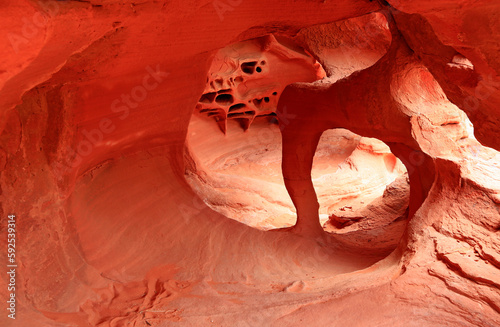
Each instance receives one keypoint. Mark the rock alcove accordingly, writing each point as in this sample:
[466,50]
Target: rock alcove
[236,168]
[122,162]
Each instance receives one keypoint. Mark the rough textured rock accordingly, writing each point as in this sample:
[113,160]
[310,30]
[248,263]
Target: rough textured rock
[246,79]
[99,164]
[458,29]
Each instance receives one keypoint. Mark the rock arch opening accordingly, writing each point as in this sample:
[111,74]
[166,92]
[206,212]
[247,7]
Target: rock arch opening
[239,175]
[238,172]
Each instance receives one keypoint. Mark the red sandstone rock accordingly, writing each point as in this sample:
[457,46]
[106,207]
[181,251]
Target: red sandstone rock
[100,165]
[246,79]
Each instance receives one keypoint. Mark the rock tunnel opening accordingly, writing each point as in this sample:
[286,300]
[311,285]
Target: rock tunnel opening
[361,186]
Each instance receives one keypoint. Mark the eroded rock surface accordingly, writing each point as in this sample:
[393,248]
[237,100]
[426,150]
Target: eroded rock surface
[246,79]
[97,98]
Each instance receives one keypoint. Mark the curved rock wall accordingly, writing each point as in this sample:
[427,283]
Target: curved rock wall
[96,100]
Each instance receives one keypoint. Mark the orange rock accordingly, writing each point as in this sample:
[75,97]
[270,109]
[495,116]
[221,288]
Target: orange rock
[132,208]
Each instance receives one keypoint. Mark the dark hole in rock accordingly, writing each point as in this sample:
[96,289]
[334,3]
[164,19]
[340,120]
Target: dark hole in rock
[237,107]
[207,97]
[224,99]
[248,67]
[208,110]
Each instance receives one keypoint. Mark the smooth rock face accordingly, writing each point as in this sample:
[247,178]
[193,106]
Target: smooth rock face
[365,192]
[239,174]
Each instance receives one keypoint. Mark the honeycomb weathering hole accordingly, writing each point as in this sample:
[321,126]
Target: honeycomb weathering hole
[224,99]
[248,67]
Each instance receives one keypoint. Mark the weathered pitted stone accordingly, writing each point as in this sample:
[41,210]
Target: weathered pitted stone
[96,99]
[246,79]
